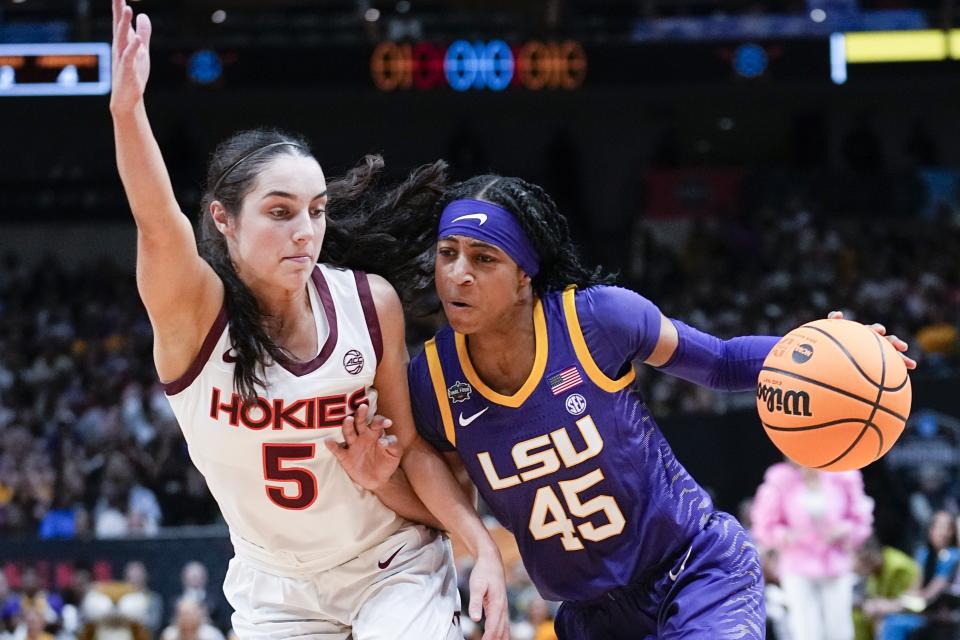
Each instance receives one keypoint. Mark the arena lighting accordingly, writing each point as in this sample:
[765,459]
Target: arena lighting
[954,43]
[864,47]
[750,60]
[896,46]
[464,66]
[204,67]
[55,69]
[838,58]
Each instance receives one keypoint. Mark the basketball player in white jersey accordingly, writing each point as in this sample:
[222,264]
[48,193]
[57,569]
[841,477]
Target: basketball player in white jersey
[266,354]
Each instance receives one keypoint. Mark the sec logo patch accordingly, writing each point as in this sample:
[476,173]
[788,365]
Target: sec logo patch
[575,404]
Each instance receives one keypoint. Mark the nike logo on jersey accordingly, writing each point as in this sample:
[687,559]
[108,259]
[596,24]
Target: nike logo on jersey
[482,217]
[386,563]
[673,576]
[465,422]
[229,357]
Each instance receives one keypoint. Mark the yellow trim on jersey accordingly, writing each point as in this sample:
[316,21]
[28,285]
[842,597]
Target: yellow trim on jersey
[536,373]
[598,377]
[440,389]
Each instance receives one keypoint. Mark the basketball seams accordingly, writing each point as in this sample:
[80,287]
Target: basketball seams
[856,441]
[883,378]
[876,405]
[815,427]
[843,350]
[843,392]
[853,360]
[851,397]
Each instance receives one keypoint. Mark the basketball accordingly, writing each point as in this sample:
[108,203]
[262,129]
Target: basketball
[833,395]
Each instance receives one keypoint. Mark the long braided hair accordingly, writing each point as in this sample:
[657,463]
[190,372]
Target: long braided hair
[393,231]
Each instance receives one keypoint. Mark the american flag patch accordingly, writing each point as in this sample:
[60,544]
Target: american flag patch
[563,380]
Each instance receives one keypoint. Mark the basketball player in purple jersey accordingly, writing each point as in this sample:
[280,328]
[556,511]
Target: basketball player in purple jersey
[532,388]
[529,391]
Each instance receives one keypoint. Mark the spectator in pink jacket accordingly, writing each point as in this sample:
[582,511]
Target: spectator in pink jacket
[815,520]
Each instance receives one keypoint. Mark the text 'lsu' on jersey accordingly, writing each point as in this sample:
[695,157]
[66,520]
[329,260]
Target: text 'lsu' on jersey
[572,463]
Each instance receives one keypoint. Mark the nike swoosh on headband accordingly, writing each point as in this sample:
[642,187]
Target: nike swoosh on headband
[482,217]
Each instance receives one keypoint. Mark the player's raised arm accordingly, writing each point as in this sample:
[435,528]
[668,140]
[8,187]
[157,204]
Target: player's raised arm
[181,292]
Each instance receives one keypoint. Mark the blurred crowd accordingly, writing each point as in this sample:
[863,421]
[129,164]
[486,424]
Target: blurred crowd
[121,609]
[781,268]
[89,445]
[40,605]
[91,448]
[829,578]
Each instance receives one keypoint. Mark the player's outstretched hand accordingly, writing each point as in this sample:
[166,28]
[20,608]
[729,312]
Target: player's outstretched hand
[131,57]
[488,596]
[368,454]
[880,330]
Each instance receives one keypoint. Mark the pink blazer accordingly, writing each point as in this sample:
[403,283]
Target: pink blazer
[814,533]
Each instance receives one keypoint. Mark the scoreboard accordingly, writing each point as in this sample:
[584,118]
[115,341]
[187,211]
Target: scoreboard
[494,65]
[55,69]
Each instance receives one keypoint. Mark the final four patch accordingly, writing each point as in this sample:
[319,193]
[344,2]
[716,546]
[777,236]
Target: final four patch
[459,392]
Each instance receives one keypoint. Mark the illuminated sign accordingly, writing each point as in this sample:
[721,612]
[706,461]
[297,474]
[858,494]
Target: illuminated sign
[466,66]
[57,69]
[926,45]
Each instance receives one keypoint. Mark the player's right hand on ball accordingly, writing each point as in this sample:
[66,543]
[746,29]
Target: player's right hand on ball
[368,453]
[131,57]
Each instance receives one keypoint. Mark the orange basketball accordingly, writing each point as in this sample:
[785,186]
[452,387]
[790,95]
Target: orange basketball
[833,395]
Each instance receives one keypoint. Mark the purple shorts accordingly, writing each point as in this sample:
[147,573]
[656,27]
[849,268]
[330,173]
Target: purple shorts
[714,590]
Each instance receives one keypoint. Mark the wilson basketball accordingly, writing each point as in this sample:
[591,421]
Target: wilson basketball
[833,395]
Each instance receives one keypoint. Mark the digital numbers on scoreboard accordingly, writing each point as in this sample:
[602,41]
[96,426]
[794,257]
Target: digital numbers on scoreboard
[55,69]
[466,66]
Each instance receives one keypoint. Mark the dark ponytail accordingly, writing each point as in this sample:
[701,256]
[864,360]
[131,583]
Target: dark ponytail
[390,231]
[231,175]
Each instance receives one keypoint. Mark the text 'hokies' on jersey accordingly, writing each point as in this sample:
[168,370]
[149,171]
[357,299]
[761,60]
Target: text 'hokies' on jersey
[291,508]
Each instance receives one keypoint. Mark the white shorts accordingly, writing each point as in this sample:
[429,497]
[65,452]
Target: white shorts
[405,588]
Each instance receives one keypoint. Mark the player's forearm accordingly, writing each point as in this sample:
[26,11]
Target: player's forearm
[723,365]
[435,485]
[143,173]
[398,495]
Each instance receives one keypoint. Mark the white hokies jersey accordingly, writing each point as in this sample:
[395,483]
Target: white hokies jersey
[291,508]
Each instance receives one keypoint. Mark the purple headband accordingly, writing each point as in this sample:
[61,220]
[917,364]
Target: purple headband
[490,223]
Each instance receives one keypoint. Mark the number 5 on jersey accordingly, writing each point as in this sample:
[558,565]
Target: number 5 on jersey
[546,504]
[274,469]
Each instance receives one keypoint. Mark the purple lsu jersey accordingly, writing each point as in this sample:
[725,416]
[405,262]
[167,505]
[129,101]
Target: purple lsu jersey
[572,463]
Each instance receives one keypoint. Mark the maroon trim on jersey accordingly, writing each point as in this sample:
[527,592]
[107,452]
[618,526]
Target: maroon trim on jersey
[370,312]
[323,292]
[213,336]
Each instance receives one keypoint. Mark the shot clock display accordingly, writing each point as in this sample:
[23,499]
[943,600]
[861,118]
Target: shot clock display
[54,69]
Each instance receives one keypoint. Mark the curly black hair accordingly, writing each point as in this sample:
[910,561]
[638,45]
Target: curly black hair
[392,231]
